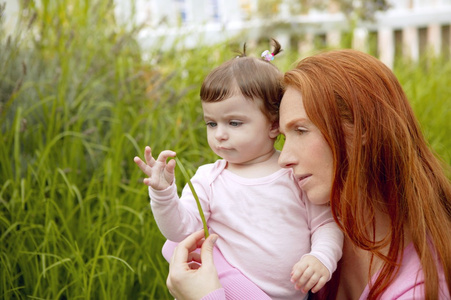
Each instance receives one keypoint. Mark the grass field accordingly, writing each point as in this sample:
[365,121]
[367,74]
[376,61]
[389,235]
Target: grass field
[77,103]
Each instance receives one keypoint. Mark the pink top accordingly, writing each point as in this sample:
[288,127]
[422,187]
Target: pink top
[409,283]
[265,224]
[218,294]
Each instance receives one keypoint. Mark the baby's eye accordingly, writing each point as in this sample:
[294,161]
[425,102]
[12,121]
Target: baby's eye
[235,123]
[211,124]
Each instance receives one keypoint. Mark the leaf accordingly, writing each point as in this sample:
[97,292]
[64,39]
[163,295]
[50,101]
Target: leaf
[199,207]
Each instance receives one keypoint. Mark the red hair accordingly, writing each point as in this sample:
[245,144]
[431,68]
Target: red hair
[382,162]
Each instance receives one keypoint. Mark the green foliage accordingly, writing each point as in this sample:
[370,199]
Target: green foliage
[428,87]
[77,103]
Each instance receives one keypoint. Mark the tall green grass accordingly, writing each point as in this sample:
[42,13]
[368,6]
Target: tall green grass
[428,87]
[77,103]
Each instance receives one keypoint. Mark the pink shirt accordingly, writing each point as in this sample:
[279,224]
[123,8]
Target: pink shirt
[265,224]
[409,283]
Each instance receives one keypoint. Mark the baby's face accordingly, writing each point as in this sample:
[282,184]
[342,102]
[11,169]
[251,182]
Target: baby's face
[237,129]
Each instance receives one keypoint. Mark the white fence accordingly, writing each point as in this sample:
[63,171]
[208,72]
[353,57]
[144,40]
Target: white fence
[410,26]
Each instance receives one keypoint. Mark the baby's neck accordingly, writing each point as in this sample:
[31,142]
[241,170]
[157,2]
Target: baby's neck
[260,168]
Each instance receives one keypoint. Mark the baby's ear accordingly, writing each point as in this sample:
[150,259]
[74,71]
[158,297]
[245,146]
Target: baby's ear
[274,131]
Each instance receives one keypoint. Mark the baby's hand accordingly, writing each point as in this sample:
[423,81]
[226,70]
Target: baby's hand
[161,174]
[309,273]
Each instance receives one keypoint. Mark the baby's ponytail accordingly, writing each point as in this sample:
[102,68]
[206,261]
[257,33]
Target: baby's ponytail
[269,56]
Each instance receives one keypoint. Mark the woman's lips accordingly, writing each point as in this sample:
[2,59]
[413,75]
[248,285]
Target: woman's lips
[303,179]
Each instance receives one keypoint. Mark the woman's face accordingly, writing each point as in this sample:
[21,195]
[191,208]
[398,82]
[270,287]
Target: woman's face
[305,149]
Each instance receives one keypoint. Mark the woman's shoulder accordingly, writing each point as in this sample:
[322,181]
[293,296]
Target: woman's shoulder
[409,281]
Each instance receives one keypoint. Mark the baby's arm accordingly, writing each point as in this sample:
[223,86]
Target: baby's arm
[169,214]
[161,174]
[316,267]
[176,217]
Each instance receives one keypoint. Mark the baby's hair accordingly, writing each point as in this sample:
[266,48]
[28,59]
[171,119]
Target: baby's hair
[254,78]
[242,53]
[277,47]
[276,44]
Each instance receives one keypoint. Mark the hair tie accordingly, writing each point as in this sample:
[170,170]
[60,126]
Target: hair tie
[268,56]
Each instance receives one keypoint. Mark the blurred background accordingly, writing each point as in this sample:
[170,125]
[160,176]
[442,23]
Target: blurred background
[384,27]
[85,85]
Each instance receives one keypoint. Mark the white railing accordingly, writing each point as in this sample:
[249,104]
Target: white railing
[416,25]
[410,26]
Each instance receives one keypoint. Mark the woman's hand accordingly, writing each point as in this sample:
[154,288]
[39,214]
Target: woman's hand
[193,275]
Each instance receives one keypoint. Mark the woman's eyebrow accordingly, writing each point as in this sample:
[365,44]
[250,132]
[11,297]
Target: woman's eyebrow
[292,123]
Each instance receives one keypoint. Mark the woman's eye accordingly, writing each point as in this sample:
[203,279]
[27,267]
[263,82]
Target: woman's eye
[235,123]
[301,130]
[211,124]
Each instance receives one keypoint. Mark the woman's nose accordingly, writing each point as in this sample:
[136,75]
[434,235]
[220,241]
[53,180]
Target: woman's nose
[286,158]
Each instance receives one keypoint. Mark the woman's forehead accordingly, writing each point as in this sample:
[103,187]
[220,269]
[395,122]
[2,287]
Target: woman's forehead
[291,108]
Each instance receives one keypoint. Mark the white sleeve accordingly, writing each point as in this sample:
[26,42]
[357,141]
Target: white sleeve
[326,237]
[179,217]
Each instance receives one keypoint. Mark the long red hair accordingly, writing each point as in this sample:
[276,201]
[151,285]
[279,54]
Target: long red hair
[382,162]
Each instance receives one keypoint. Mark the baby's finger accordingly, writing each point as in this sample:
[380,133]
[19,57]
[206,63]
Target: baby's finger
[297,272]
[171,167]
[164,155]
[321,283]
[142,165]
[310,283]
[150,161]
[303,279]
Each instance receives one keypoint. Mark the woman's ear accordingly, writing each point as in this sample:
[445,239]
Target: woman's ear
[274,131]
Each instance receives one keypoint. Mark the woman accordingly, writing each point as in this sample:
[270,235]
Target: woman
[351,137]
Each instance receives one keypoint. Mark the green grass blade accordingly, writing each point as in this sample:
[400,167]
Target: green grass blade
[199,207]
